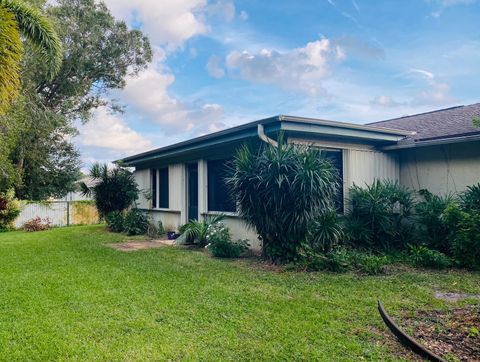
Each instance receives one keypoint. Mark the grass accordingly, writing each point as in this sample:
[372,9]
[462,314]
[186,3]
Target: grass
[65,296]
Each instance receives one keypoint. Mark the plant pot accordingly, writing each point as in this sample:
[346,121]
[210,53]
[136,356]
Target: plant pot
[171,235]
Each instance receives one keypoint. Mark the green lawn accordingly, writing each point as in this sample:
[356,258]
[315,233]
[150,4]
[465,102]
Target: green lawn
[65,296]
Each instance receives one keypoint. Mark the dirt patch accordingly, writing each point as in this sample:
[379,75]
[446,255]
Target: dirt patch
[134,245]
[455,297]
[452,334]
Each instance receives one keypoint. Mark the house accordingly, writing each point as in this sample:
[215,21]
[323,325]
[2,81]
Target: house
[438,150]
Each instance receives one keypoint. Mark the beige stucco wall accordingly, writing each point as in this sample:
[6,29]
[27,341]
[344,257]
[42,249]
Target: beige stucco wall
[441,169]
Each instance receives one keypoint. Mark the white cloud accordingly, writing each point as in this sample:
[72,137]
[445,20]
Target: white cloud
[243,15]
[443,4]
[108,131]
[214,68]
[167,22]
[424,73]
[385,101]
[297,69]
[222,9]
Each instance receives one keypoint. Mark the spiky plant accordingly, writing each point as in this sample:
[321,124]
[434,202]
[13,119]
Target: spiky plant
[196,231]
[280,191]
[112,189]
[18,19]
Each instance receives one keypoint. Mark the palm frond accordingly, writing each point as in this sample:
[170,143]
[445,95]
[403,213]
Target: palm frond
[10,57]
[39,30]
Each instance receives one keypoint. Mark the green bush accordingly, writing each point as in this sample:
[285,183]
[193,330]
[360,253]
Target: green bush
[466,242]
[470,199]
[379,216]
[424,257]
[136,222]
[115,221]
[280,191]
[371,264]
[9,210]
[196,231]
[326,232]
[434,229]
[155,231]
[221,245]
[112,190]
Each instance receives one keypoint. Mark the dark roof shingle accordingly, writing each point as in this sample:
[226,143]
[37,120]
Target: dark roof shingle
[443,123]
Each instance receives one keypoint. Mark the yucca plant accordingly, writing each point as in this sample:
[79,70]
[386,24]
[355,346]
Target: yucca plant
[326,232]
[19,20]
[196,231]
[112,189]
[280,191]
[383,210]
[470,198]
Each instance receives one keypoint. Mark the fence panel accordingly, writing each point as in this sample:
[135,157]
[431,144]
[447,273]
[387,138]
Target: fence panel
[60,213]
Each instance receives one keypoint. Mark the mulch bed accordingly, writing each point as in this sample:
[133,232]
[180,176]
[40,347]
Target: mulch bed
[452,334]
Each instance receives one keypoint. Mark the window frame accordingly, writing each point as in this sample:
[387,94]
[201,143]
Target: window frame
[163,194]
[212,188]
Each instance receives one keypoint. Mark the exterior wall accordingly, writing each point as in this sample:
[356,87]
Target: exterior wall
[142,177]
[170,220]
[239,230]
[441,169]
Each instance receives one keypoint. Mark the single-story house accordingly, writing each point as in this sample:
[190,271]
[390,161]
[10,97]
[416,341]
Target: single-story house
[438,150]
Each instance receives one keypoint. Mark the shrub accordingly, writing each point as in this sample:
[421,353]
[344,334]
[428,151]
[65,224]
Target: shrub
[470,199]
[115,221]
[466,242]
[280,191]
[424,257]
[371,264]
[434,229]
[37,224]
[379,216]
[136,222]
[112,190]
[9,210]
[196,231]
[326,232]
[221,245]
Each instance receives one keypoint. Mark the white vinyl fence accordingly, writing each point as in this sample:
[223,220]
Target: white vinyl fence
[59,213]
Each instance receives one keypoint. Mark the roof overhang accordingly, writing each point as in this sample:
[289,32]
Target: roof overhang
[288,124]
[434,142]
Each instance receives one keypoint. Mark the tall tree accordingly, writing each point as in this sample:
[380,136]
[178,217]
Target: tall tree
[16,20]
[99,53]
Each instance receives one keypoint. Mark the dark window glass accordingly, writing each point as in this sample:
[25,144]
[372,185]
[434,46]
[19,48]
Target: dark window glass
[218,196]
[153,178]
[337,160]
[163,177]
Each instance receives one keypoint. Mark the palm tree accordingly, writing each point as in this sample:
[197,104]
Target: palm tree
[19,20]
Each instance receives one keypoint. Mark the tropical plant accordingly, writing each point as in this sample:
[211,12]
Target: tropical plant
[421,255]
[196,231]
[9,210]
[115,221]
[220,242]
[326,231]
[135,222]
[280,191]
[470,198]
[380,215]
[466,240]
[19,20]
[434,229]
[112,190]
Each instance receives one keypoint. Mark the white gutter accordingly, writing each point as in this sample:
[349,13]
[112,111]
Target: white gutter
[436,142]
[264,137]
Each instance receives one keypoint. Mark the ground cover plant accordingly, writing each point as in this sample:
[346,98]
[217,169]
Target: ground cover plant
[66,296]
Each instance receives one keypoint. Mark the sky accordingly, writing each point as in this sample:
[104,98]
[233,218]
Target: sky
[222,63]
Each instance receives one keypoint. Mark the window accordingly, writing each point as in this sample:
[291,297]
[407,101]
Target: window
[336,156]
[153,183]
[163,187]
[218,196]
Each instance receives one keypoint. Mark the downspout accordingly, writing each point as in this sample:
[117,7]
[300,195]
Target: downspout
[264,137]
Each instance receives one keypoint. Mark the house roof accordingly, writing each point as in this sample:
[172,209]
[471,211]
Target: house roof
[441,124]
[272,126]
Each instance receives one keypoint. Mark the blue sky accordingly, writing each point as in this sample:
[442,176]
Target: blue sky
[223,63]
